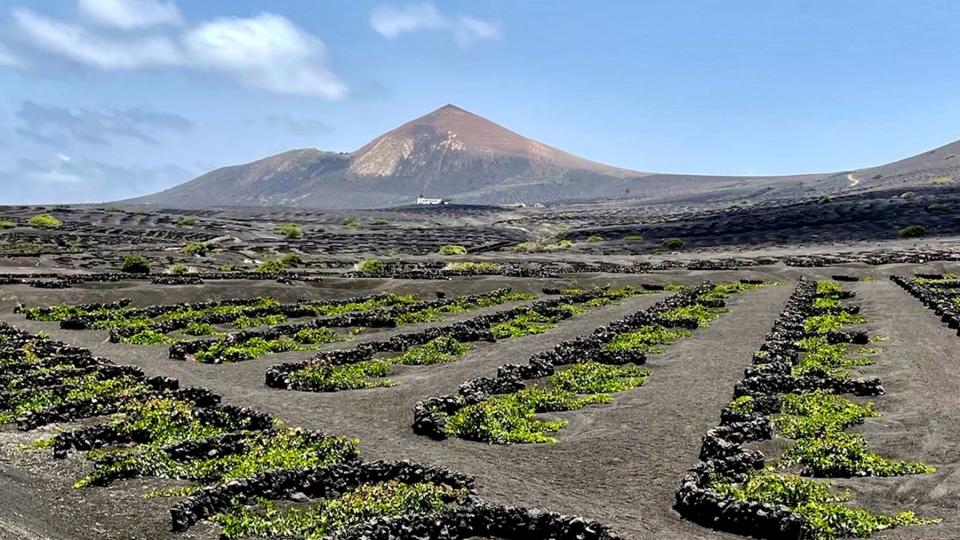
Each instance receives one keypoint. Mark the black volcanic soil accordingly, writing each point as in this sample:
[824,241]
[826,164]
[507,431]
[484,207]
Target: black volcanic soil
[619,463]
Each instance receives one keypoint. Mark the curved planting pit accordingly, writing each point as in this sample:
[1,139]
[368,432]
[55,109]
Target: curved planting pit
[246,472]
[361,367]
[503,409]
[793,391]
[246,345]
[939,292]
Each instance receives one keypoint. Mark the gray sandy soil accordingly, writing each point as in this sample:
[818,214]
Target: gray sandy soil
[618,463]
[921,419]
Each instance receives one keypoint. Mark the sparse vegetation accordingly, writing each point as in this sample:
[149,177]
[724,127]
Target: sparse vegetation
[291,260]
[942,181]
[198,249]
[135,264]
[178,269]
[372,266]
[324,517]
[673,243]
[186,222]
[7,224]
[351,222]
[817,502]
[45,221]
[594,238]
[912,231]
[289,230]
[271,266]
[907,195]
[474,267]
[453,249]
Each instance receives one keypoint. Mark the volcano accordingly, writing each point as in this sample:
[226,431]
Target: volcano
[449,153]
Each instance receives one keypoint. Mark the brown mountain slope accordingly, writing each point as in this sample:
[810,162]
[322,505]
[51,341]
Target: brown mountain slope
[455,154]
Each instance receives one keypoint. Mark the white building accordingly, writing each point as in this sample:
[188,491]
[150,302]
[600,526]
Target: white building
[426,200]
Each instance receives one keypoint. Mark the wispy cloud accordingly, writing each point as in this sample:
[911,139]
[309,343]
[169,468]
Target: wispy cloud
[267,51]
[58,126]
[130,14]
[394,21]
[61,178]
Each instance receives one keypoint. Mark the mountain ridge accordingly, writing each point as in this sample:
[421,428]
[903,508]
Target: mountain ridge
[455,154]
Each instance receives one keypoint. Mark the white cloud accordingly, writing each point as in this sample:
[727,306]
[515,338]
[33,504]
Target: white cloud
[394,21]
[80,45]
[391,21]
[267,51]
[130,14]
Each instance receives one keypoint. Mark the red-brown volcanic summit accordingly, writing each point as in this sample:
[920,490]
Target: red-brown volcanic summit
[449,153]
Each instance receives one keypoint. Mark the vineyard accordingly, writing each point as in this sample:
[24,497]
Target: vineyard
[775,404]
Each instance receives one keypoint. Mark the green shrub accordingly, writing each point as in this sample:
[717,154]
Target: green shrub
[198,249]
[135,264]
[291,259]
[594,378]
[633,238]
[186,222]
[351,222]
[594,238]
[322,518]
[242,323]
[912,231]
[673,243]
[289,230]
[474,267]
[199,329]
[45,221]
[939,207]
[826,359]
[511,418]
[907,195]
[379,222]
[831,322]
[817,503]
[827,287]
[525,324]
[834,454]
[7,224]
[648,339]
[271,266]
[703,315]
[148,337]
[178,269]
[372,266]
[335,378]
[942,181]
[435,351]
[814,413]
[453,249]
[824,199]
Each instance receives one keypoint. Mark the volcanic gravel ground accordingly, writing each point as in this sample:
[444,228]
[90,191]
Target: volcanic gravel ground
[921,418]
[617,463]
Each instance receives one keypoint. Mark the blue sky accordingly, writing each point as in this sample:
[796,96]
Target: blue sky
[103,99]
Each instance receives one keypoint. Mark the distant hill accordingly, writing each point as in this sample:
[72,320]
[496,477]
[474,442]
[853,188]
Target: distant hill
[455,154]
